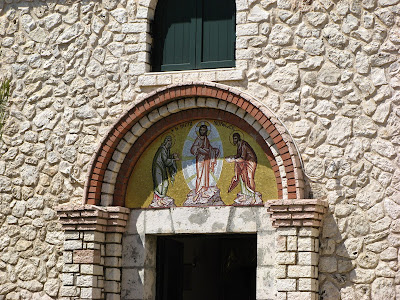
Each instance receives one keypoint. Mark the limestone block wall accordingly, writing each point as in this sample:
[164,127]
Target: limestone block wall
[328,69]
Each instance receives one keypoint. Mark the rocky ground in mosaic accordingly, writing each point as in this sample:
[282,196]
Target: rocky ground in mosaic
[330,72]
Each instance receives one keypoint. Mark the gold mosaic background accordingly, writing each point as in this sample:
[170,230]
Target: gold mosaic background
[140,187]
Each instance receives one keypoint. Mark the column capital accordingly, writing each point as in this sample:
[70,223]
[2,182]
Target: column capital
[83,217]
[297,212]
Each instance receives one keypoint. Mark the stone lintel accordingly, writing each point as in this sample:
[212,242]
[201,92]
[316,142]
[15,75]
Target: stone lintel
[297,212]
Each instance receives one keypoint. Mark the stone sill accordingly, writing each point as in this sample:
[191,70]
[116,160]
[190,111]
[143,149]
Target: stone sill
[210,75]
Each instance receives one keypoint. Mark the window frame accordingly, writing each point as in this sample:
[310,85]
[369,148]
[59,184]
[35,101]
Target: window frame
[196,49]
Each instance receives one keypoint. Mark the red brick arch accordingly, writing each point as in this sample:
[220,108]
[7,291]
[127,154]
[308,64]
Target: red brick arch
[288,172]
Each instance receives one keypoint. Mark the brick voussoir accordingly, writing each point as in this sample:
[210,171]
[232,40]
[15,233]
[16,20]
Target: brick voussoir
[165,95]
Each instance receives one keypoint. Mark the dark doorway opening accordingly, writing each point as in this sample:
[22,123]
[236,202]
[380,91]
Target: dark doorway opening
[212,267]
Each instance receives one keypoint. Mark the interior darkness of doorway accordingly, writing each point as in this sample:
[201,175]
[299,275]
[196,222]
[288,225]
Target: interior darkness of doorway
[212,267]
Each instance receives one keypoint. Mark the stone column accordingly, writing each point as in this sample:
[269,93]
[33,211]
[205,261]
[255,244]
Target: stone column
[92,251]
[298,225]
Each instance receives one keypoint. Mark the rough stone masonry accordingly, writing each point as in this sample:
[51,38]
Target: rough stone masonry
[330,70]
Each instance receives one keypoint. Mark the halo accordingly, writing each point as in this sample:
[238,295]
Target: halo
[173,138]
[231,136]
[203,123]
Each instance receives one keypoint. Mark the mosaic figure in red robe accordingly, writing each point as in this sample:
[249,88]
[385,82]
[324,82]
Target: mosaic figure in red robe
[245,169]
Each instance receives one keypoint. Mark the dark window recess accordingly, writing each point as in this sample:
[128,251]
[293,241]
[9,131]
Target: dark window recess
[193,34]
[212,267]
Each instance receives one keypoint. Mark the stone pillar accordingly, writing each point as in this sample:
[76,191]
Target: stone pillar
[298,225]
[92,251]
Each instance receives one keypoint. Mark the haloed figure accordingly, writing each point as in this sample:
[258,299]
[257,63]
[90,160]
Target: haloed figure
[164,166]
[206,159]
[205,193]
[245,170]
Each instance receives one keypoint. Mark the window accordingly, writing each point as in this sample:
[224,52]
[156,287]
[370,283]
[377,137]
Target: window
[193,34]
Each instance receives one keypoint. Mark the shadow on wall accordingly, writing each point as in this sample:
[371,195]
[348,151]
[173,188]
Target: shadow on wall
[349,267]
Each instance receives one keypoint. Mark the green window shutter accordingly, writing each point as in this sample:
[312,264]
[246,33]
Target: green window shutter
[193,34]
[216,42]
[174,42]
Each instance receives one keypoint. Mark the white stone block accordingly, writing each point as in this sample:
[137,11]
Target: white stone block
[240,113]
[72,244]
[147,80]
[249,119]
[222,105]
[211,102]
[114,262]
[114,166]
[173,107]
[137,129]
[112,274]
[201,102]
[69,291]
[132,287]
[114,237]
[133,251]
[292,243]
[232,108]
[67,257]
[91,269]
[90,293]
[163,110]
[301,272]
[301,296]
[307,258]
[309,231]
[111,287]
[207,76]
[286,231]
[200,219]
[136,222]
[145,122]
[308,284]
[229,75]
[110,177]
[93,236]
[243,220]
[68,279]
[286,285]
[281,271]
[263,219]
[107,188]
[158,221]
[86,281]
[181,104]
[154,116]
[130,138]
[123,146]
[118,157]
[266,249]
[106,199]
[190,103]
[286,258]
[306,244]
[114,250]
[265,283]
[164,79]
[70,268]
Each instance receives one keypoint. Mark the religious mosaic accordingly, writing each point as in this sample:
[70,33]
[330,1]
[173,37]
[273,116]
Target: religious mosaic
[202,163]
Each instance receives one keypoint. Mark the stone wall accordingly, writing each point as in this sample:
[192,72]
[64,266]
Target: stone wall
[329,70]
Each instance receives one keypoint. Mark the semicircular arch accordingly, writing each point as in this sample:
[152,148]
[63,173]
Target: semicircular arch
[113,162]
